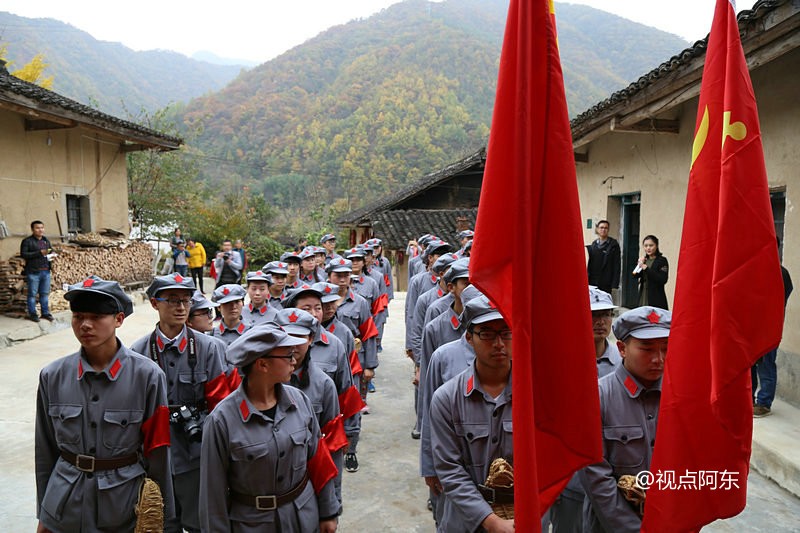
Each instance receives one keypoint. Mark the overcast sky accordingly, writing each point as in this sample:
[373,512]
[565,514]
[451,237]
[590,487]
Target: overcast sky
[258,31]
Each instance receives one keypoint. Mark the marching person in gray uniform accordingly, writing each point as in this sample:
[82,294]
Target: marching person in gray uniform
[446,327]
[421,283]
[263,468]
[317,385]
[566,513]
[257,311]
[231,302]
[331,357]
[308,266]
[380,308]
[328,241]
[201,314]
[415,261]
[196,382]
[320,255]
[440,267]
[102,422]
[629,401]
[331,324]
[383,265]
[471,425]
[278,272]
[365,286]
[292,260]
[228,264]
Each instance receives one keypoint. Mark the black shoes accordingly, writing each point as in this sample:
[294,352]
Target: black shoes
[415,434]
[48,317]
[33,318]
[350,462]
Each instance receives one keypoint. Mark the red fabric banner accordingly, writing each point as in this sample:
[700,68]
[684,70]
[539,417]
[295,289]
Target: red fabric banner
[333,435]
[355,364]
[321,467]
[380,304]
[728,301]
[529,234]
[350,402]
[155,430]
[368,329]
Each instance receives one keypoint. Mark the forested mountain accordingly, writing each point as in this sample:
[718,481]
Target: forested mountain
[368,105]
[106,75]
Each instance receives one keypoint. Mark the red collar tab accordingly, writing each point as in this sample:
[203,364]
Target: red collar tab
[440,292]
[159,343]
[240,329]
[221,327]
[434,278]
[361,278]
[323,337]
[470,384]
[244,410]
[80,369]
[114,370]
[332,327]
[631,385]
[293,317]
[88,282]
[178,278]
[262,309]
[455,322]
[182,344]
[653,317]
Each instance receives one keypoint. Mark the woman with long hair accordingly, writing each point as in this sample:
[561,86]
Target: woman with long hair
[652,271]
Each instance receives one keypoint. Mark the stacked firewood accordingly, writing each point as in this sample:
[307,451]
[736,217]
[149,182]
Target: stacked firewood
[128,262]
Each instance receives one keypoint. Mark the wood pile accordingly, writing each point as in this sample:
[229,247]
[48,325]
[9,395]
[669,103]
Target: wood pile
[127,262]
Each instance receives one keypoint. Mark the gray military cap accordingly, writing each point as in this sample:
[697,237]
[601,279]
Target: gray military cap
[466,233]
[443,262]
[480,310]
[306,252]
[339,264]
[199,302]
[172,281]
[328,291]
[257,342]
[327,237]
[96,295]
[294,294]
[425,239]
[358,251]
[470,292]
[258,275]
[458,270]
[437,247]
[228,293]
[643,323]
[290,256]
[296,321]
[600,300]
[276,267]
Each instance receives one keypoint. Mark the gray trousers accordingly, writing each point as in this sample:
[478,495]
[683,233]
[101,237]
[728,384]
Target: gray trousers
[187,508]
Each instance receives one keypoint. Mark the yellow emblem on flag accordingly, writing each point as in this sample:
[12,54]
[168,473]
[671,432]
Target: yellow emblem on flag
[700,137]
[737,130]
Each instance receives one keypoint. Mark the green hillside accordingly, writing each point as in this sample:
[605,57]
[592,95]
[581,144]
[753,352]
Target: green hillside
[367,106]
[106,75]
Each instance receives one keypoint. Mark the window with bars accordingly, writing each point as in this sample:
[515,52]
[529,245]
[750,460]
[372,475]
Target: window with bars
[78,214]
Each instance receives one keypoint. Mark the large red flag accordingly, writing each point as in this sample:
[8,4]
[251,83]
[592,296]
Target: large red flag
[728,302]
[528,257]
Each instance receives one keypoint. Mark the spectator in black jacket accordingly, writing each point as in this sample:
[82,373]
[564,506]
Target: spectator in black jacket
[35,250]
[652,271]
[604,261]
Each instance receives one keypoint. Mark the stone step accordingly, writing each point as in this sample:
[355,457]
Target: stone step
[776,446]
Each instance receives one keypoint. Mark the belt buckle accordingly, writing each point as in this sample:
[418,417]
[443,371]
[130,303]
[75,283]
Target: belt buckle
[81,460]
[493,494]
[266,506]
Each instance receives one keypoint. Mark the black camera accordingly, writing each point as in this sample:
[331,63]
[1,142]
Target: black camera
[226,256]
[190,419]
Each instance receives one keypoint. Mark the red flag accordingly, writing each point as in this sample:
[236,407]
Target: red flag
[529,230]
[728,302]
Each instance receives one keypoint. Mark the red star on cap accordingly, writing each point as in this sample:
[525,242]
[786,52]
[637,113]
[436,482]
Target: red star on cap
[226,291]
[305,286]
[293,317]
[341,261]
[88,283]
[327,289]
[281,265]
[259,273]
[653,317]
[178,278]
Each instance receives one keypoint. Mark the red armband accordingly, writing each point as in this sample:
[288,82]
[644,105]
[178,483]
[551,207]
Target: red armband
[155,430]
[355,364]
[216,390]
[234,380]
[321,468]
[368,330]
[350,402]
[386,280]
[333,434]
[380,304]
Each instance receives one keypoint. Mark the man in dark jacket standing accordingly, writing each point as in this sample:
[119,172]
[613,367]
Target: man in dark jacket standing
[36,251]
[604,261]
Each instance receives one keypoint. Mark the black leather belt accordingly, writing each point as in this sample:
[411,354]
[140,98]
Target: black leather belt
[270,502]
[88,463]
[498,495]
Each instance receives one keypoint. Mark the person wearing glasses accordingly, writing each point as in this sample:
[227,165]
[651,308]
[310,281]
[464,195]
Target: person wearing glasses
[201,314]
[231,302]
[196,382]
[471,425]
[264,468]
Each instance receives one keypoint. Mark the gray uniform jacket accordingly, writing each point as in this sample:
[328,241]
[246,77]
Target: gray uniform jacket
[276,301]
[228,335]
[448,361]
[342,333]
[377,276]
[385,268]
[629,414]
[173,359]
[418,322]
[102,414]
[367,288]
[352,425]
[438,307]
[413,266]
[354,312]
[254,316]
[247,452]
[443,329]
[469,429]
[419,285]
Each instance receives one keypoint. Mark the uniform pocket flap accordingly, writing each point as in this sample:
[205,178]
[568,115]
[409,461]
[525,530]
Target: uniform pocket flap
[250,452]
[623,434]
[65,412]
[299,437]
[123,417]
[199,377]
[472,431]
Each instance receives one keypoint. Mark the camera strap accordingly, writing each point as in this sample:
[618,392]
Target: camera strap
[155,355]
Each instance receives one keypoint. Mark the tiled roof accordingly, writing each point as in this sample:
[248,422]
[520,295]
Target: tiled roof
[21,93]
[426,182]
[669,68]
[398,227]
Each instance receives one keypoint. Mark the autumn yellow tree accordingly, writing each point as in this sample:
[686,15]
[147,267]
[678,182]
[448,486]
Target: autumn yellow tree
[32,71]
